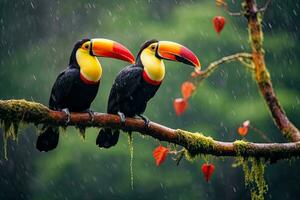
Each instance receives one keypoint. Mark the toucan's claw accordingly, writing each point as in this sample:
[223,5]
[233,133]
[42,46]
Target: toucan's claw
[91,114]
[66,110]
[145,119]
[122,117]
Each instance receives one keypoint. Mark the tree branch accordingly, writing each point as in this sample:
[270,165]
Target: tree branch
[214,65]
[16,111]
[262,75]
[265,7]
[225,5]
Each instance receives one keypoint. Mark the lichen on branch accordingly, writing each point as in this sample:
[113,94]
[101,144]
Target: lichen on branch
[254,169]
[254,18]
[13,112]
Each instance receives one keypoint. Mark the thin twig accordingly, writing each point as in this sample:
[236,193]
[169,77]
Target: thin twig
[265,7]
[261,133]
[242,57]
[225,5]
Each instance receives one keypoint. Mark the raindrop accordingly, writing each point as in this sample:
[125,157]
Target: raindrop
[111,190]
[234,189]
[162,186]
[31,3]
[295,12]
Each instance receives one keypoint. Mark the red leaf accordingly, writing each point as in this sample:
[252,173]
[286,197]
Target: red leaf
[160,154]
[208,170]
[243,130]
[219,23]
[187,89]
[180,105]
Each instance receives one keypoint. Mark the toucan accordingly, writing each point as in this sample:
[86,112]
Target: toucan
[136,84]
[76,87]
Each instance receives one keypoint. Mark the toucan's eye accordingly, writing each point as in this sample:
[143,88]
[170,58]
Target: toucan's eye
[152,47]
[86,46]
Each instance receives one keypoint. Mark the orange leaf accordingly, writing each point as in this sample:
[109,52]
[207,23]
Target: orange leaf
[160,154]
[219,22]
[208,170]
[187,89]
[243,130]
[220,2]
[180,105]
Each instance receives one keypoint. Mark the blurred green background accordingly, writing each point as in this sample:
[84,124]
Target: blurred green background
[36,41]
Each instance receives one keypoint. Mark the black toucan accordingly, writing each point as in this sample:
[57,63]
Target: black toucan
[136,84]
[76,87]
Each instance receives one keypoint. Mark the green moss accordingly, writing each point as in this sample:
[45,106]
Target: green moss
[196,143]
[188,156]
[81,132]
[15,112]
[288,132]
[130,144]
[22,110]
[241,146]
[254,169]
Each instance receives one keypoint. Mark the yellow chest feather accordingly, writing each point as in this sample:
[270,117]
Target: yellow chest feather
[154,67]
[90,67]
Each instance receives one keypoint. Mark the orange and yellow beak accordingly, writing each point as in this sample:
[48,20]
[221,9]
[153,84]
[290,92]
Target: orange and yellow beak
[177,52]
[109,48]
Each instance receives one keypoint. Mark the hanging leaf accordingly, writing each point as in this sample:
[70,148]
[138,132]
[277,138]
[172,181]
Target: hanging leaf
[219,23]
[208,170]
[160,154]
[220,2]
[180,105]
[187,89]
[244,128]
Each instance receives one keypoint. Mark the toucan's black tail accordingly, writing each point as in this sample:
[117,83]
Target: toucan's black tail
[107,137]
[48,140]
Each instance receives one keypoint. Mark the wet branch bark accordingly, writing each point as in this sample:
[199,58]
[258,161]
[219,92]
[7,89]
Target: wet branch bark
[262,75]
[16,111]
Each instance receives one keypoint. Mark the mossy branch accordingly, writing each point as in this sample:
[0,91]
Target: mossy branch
[244,58]
[17,111]
[256,63]
[254,17]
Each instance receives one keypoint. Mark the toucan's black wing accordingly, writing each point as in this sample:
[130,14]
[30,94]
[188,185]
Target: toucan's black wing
[62,88]
[126,82]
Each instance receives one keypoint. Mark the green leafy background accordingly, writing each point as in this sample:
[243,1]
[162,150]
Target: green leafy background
[36,41]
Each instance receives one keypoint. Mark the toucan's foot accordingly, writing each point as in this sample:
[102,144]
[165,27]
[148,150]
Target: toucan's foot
[145,119]
[66,110]
[91,114]
[122,117]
